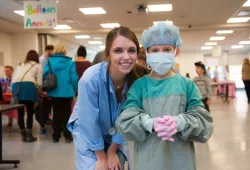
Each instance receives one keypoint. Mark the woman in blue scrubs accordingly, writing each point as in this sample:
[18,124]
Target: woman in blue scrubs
[101,95]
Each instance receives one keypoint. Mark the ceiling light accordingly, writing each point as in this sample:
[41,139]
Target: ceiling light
[238,20]
[206,47]
[20,12]
[224,32]
[168,22]
[243,13]
[102,46]
[82,36]
[95,42]
[211,43]
[92,11]
[57,2]
[217,38]
[160,8]
[62,27]
[244,42]
[237,46]
[247,4]
[110,25]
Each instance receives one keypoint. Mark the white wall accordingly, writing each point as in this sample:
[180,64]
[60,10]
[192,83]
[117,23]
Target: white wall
[21,43]
[186,62]
[5,48]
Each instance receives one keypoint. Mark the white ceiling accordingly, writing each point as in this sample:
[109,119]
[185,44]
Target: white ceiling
[198,19]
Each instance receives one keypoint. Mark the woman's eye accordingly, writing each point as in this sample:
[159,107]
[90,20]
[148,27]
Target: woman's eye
[155,51]
[132,51]
[118,51]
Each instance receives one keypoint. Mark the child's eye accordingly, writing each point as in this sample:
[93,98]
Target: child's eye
[155,51]
[167,50]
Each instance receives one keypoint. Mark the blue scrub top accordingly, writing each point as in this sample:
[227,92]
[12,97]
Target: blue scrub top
[91,113]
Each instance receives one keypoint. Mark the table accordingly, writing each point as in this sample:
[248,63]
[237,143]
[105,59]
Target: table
[4,108]
[227,83]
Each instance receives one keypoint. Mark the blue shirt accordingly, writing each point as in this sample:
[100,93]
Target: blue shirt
[43,61]
[91,112]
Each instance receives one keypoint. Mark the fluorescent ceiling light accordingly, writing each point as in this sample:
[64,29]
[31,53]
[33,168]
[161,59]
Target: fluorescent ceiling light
[217,38]
[224,32]
[82,36]
[237,46]
[110,25]
[206,47]
[238,20]
[57,2]
[168,22]
[62,27]
[20,12]
[247,4]
[160,8]
[211,43]
[95,42]
[102,46]
[244,42]
[92,11]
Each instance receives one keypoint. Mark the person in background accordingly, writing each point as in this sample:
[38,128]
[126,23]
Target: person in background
[216,74]
[64,69]
[26,80]
[227,73]
[203,83]
[49,49]
[6,86]
[246,77]
[187,75]
[163,113]
[81,63]
[46,102]
[99,57]
[208,73]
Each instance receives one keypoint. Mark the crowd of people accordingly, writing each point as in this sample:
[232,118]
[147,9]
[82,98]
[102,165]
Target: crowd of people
[26,80]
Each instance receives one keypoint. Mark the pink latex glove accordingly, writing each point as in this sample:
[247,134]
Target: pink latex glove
[171,125]
[158,123]
[165,128]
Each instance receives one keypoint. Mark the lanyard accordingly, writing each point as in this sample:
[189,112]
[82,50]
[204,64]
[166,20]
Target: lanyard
[109,100]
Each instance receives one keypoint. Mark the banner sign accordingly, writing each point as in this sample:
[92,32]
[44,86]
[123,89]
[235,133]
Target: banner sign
[40,14]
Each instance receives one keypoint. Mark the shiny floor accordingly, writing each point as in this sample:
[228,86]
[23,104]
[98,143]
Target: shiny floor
[228,149]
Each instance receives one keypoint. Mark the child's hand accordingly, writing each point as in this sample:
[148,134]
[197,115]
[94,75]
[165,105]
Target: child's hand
[208,102]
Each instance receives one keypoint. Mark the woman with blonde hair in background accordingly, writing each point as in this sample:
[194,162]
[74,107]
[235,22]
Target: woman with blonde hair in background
[64,70]
[246,77]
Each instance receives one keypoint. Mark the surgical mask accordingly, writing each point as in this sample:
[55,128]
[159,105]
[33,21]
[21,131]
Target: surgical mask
[162,62]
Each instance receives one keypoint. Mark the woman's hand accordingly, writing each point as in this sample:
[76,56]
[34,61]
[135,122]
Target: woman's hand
[112,158]
[113,161]
[101,163]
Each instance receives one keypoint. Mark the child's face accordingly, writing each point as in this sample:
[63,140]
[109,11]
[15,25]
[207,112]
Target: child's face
[161,49]
[199,70]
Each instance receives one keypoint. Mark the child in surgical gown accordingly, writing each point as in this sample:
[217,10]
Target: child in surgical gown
[164,113]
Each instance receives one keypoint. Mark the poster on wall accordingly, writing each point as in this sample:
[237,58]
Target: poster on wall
[40,14]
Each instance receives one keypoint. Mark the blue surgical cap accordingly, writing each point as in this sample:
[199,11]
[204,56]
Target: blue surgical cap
[162,34]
